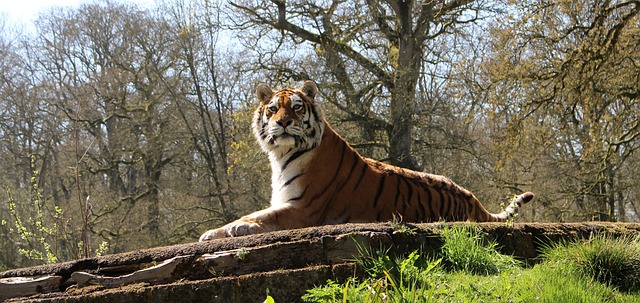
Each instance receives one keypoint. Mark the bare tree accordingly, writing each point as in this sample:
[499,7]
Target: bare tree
[568,83]
[369,47]
[109,65]
[205,115]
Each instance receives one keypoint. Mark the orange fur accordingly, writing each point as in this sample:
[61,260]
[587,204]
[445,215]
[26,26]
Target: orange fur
[318,179]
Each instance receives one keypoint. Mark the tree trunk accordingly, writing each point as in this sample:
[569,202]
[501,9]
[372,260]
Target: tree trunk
[400,135]
[404,90]
[153,172]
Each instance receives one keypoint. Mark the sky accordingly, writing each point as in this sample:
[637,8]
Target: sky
[24,12]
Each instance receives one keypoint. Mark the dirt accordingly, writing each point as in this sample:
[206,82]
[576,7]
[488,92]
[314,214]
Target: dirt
[285,263]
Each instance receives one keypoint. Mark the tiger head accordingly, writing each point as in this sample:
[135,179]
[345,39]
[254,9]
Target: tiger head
[288,119]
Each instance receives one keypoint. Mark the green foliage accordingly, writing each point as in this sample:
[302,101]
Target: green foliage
[39,229]
[269,299]
[375,262]
[102,249]
[37,224]
[331,292]
[399,226]
[242,253]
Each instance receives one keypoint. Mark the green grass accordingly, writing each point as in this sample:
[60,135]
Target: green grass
[611,261]
[465,249]
[468,269]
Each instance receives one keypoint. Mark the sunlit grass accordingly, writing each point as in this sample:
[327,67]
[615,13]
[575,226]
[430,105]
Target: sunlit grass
[465,249]
[612,261]
[468,269]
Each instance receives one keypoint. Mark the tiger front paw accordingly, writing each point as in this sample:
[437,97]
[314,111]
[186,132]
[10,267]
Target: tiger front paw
[213,234]
[233,229]
[242,228]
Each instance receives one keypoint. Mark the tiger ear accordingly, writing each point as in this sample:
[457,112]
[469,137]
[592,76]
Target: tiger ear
[264,93]
[309,88]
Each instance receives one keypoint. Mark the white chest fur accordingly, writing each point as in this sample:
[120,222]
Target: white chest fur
[287,188]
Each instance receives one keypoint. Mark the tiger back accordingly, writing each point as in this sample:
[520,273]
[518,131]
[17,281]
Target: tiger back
[318,179]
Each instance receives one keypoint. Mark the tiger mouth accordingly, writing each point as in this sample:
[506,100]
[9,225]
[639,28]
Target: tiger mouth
[283,133]
[287,136]
[290,136]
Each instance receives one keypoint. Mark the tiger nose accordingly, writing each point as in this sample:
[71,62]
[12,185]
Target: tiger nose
[284,122]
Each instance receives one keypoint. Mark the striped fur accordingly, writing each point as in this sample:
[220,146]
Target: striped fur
[318,179]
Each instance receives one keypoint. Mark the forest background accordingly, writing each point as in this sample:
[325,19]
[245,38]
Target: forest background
[124,127]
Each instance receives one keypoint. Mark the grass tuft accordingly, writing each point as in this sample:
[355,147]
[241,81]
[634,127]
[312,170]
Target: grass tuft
[603,258]
[466,249]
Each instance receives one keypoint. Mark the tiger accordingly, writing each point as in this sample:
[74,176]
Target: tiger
[317,178]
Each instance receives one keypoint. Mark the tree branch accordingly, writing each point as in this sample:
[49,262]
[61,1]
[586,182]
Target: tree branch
[381,21]
[283,24]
